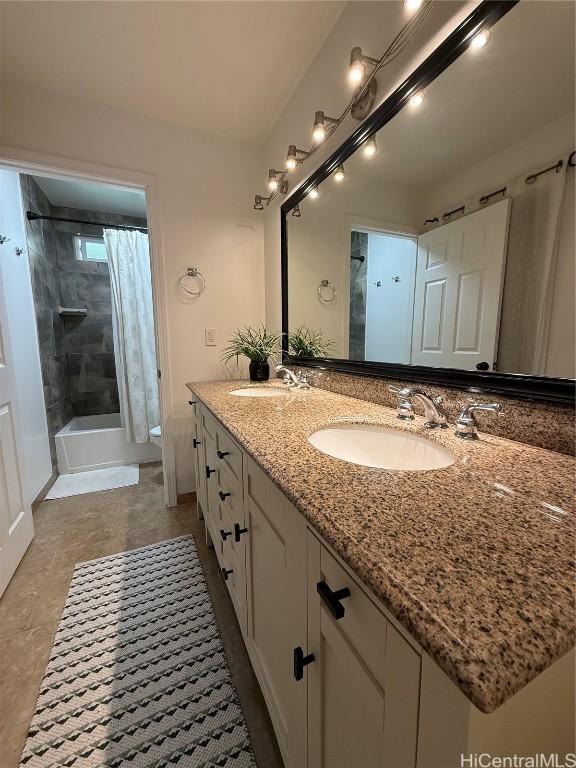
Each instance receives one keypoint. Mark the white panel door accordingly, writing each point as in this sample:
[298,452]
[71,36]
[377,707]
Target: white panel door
[459,277]
[389,297]
[16,526]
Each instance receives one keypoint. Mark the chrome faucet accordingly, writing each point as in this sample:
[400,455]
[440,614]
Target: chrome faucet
[466,423]
[433,413]
[299,381]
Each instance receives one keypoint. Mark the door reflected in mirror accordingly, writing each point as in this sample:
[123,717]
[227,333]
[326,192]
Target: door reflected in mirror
[452,245]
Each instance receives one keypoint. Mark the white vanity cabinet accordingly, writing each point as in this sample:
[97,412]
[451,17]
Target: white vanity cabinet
[345,685]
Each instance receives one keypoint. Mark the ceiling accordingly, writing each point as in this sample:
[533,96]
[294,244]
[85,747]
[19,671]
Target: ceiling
[226,68]
[485,101]
[93,196]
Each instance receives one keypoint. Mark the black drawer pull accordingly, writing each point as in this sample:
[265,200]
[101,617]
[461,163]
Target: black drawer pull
[225,534]
[221,454]
[223,495]
[238,531]
[209,471]
[332,599]
[195,442]
[301,661]
[226,572]
[192,402]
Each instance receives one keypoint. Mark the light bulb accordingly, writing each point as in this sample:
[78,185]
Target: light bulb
[319,133]
[291,159]
[314,193]
[370,147]
[412,5]
[480,40]
[339,174]
[272,180]
[356,70]
[416,100]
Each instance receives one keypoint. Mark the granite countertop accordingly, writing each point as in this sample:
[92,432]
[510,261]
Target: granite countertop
[476,561]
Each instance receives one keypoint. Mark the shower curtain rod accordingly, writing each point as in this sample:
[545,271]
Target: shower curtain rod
[31,216]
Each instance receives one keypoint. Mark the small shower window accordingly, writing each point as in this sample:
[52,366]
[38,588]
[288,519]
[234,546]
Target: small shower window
[90,248]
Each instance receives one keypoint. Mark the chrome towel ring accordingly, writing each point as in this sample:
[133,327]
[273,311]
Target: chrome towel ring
[326,291]
[194,274]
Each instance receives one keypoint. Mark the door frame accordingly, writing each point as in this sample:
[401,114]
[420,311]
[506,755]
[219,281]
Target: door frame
[25,161]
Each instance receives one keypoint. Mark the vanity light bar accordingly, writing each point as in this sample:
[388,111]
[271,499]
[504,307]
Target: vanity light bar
[362,101]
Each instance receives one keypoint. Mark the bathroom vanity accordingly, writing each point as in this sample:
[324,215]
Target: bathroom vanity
[392,617]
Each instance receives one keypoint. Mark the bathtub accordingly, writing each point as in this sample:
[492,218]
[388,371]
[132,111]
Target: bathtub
[98,442]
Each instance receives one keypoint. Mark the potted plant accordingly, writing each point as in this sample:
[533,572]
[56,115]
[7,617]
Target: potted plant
[307,342]
[257,344]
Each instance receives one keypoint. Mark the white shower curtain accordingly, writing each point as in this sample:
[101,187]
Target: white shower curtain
[134,347]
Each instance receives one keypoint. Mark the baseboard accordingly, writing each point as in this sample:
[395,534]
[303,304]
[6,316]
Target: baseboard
[43,491]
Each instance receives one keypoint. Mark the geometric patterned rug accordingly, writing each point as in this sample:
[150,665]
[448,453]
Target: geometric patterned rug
[137,675]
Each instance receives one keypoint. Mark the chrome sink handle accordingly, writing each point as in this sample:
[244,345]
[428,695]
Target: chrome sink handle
[404,408]
[466,425]
[433,413]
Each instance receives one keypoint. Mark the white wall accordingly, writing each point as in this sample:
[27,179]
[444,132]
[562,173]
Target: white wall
[205,187]
[372,25]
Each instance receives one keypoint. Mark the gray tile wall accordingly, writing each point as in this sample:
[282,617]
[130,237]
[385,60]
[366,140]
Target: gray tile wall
[77,353]
[358,275]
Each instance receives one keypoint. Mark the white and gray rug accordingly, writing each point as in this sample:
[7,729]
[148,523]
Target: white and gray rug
[77,483]
[137,675]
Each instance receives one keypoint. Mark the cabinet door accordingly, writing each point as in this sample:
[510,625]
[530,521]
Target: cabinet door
[363,683]
[199,460]
[209,469]
[276,601]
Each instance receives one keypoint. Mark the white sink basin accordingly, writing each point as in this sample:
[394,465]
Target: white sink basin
[372,445]
[258,392]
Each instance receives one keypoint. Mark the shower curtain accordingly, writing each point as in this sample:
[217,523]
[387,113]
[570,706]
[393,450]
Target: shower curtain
[134,347]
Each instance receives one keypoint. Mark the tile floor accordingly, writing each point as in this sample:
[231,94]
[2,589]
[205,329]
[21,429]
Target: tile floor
[74,529]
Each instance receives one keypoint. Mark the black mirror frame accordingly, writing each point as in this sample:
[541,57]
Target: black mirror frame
[536,388]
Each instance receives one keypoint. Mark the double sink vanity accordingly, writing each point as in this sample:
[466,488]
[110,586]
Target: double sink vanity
[405,596]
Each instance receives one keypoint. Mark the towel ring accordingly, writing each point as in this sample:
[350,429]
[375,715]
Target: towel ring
[194,273]
[323,285]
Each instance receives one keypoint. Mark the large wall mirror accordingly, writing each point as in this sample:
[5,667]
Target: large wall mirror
[442,238]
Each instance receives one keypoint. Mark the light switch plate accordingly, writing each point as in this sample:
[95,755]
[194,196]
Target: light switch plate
[210,337]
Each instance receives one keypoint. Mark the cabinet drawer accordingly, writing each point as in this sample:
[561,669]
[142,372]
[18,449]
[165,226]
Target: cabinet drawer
[228,453]
[228,484]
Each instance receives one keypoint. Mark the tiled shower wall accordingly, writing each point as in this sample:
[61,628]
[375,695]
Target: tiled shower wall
[77,353]
[358,275]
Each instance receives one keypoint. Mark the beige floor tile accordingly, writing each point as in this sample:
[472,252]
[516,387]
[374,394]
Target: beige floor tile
[76,529]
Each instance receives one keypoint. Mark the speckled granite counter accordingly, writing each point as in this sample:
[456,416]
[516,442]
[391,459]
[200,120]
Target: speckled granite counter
[476,561]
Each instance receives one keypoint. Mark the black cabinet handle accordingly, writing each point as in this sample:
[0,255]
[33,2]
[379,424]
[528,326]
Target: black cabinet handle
[226,572]
[225,534]
[209,471]
[192,402]
[238,531]
[482,366]
[332,599]
[223,495]
[301,661]
[221,454]
[195,442]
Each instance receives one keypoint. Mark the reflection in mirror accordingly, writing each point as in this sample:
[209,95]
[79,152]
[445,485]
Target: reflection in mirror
[452,245]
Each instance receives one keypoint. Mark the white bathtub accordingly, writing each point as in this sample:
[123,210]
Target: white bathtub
[98,442]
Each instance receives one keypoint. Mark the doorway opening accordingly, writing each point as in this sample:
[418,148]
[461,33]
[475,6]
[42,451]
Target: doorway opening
[78,343]
[382,279]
